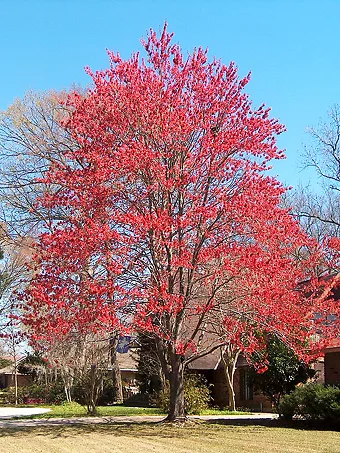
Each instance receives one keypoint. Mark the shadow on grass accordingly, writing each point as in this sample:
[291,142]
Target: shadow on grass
[156,429]
[126,429]
[245,422]
[277,423]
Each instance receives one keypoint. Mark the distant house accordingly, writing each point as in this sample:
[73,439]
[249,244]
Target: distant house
[332,363]
[211,367]
[128,369]
[332,354]
[7,378]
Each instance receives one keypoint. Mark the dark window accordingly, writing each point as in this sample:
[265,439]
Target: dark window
[246,385]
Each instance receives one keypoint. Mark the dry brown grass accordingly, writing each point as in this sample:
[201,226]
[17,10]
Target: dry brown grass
[158,438]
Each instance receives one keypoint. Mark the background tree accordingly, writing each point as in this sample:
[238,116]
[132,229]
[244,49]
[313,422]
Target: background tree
[116,374]
[31,139]
[319,212]
[13,344]
[81,361]
[92,371]
[323,155]
[13,272]
[169,202]
[36,366]
[284,371]
[150,372]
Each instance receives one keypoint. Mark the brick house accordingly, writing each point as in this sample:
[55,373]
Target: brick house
[211,367]
[7,378]
[332,363]
[332,354]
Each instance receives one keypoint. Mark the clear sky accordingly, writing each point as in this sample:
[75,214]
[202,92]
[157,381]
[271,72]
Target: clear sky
[291,46]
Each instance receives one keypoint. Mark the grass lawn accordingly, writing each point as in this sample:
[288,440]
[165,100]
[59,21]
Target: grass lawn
[158,438]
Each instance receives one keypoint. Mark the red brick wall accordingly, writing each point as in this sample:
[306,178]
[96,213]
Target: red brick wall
[332,367]
[258,402]
[7,380]
[219,389]
[220,393]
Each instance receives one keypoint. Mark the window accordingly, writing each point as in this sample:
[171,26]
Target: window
[246,385]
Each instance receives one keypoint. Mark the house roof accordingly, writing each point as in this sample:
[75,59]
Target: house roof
[9,370]
[127,361]
[335,343]
[212,361]
[208,362]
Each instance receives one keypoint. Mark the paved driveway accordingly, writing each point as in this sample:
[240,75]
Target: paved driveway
[10,412]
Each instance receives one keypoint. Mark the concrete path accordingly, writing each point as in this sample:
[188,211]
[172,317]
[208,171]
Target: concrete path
[6,423]
[10,412]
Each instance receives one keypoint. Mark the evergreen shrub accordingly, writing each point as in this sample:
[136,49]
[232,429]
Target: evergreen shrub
[312,402]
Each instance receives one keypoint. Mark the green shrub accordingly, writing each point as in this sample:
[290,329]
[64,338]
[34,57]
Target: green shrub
[285,370]
[36,394]
[8,395]
[107,396]
[139,400]
[49,393]
[312,402]
[72,406]
[196,395]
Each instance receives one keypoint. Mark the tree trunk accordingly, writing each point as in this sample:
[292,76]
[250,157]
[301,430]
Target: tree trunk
[93,391]
[67,380]
[67,393]
[177,410]
[116,374]
[117,380]
[230,388]
[16,382]
[165,369]
[229,366]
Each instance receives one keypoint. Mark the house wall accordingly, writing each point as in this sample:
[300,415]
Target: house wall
[129,377]
[245,397]
[332,367]
[7,380]
[129,383]
[219,389]
[319,367]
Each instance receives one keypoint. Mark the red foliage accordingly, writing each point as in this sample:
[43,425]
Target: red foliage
[172,220]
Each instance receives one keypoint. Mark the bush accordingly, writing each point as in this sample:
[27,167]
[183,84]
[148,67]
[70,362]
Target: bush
[139,400]
[107,396]
[36,394]
[196,395]
[8,395]
[72,407]
[285,371]
[312,402]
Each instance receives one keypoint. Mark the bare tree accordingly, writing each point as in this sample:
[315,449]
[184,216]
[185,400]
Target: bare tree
[31,140]
[13,274]
[116,374]
[324,154]
[318,208]
[80,359]
[320,213]
[13,345]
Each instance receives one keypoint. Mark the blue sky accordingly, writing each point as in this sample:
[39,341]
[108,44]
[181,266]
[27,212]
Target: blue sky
[291,47]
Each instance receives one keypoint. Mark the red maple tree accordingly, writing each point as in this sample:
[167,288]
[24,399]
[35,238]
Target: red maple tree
[174,224]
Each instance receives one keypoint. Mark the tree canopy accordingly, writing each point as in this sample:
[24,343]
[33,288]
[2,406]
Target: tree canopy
[171,224]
